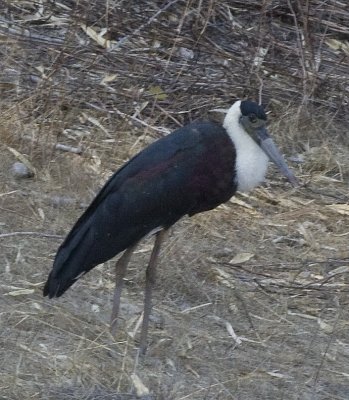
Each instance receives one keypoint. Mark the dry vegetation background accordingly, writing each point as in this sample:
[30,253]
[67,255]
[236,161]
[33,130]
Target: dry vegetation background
[252,298]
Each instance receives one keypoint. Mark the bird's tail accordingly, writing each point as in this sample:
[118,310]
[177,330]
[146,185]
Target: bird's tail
[72,260]
[55,287]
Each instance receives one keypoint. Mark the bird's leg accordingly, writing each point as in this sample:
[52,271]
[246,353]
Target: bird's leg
[120,271]
[149,284]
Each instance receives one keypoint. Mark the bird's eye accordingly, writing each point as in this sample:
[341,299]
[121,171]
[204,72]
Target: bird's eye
[253,118]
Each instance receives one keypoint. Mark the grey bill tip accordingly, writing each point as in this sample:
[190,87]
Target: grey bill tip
[273,153]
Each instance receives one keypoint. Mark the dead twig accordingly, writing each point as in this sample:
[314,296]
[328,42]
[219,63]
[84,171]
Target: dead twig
[35,234]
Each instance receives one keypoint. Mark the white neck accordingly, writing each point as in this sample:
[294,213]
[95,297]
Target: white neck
[251,161]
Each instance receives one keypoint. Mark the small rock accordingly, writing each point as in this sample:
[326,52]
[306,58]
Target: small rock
[185,53]
[21,171]
[62,201]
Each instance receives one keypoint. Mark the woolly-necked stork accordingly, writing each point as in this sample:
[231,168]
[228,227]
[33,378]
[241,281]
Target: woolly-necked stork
[194,169]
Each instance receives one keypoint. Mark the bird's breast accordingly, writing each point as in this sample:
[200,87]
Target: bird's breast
[251,167]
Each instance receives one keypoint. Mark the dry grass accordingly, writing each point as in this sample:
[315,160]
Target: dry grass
[252,298]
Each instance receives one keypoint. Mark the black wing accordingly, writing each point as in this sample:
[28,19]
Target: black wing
[186,172]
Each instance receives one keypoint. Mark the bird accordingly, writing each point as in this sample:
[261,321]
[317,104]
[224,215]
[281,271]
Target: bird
[194,169]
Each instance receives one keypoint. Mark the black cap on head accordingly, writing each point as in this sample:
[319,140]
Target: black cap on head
[248,107]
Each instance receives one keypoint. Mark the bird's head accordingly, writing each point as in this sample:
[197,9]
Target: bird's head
[252,118]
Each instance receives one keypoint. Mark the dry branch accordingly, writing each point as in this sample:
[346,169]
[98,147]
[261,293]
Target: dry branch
[34,234]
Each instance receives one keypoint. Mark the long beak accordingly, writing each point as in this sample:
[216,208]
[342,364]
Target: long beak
[268,146]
